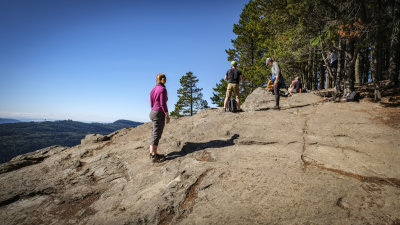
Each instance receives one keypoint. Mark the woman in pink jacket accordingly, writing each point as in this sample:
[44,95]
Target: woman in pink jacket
[158,115]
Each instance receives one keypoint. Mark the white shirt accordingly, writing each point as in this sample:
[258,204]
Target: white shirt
[275,68]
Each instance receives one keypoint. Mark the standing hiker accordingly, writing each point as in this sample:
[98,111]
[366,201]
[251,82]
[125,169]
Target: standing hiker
[276,79]
[233,76]
[333,64]
[158,115]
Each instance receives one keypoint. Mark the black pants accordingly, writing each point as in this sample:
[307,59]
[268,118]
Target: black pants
[336,76]
[276,93]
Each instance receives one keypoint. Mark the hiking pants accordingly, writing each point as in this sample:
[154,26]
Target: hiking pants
[276,93]
[158,122]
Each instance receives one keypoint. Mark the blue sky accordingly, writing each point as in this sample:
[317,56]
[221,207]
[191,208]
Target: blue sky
[97,60]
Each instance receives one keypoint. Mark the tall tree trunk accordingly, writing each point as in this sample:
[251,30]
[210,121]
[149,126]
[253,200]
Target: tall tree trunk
[386,61]
[309,70]
[321,76]
[252,52]
[374,74]
[191,101]
[398,66]
[379,56]
[339,68]
[328,78]
[357,69]
[379,43]
[394,45]
[349,67]
[375,52]
[362,67]
[314,72]
[304,75]
[365,66]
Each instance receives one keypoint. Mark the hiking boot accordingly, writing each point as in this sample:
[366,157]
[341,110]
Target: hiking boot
[157,158]
[276,107]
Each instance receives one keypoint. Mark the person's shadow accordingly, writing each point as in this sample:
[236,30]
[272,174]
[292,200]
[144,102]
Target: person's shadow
[190,147]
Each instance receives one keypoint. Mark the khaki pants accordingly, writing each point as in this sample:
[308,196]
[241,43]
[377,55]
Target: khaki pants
[232,87]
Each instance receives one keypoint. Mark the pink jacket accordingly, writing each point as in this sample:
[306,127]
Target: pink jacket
[159,98]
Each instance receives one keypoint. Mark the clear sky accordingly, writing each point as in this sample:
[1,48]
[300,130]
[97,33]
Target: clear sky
[97,60]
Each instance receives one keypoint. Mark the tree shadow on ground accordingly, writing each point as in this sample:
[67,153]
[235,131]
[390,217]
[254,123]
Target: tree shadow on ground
[390,104]
[284,108]
[190,147]
[264,109]
[295,107]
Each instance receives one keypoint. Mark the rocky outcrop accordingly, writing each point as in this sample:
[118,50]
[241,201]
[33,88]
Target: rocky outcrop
[30,158]
[260,99]
[94,138]
[312,162]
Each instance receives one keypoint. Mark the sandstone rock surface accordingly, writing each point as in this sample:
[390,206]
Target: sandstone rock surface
[312,162]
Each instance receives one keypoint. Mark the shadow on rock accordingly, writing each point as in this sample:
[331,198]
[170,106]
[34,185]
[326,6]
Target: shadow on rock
[263,109]
[296,106]
[191,147]
[284,108]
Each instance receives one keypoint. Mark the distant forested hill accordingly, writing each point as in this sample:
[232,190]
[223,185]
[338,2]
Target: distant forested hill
[2,121]
[21,138]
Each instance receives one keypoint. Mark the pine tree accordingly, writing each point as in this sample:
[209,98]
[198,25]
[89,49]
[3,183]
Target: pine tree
[218,97]
[190,97]
[248,47]
[298,33]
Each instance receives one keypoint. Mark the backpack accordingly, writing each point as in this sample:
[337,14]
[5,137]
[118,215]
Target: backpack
[281,80]
[232,105]
[233,75]
[353,97]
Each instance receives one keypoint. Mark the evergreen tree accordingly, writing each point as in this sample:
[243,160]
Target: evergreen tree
[248,48]
[298,33]
[219,93]
[190,97]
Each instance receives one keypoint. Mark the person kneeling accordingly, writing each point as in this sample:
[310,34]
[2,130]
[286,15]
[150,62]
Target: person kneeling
[295,87]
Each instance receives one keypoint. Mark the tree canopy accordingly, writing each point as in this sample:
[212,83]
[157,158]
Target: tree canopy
[298,33]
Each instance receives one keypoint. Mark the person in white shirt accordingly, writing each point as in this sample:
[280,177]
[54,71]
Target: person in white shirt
[333,61]
[277,79]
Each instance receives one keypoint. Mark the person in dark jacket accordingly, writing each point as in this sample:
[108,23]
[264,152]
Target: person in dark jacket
[295,87]
[158,115]
[233,76]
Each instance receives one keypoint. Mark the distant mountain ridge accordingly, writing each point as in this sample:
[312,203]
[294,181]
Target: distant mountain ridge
[3,121]
[18,138]
[127,122]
